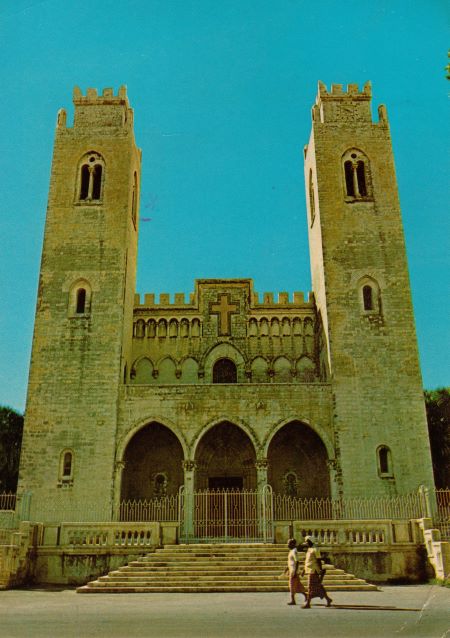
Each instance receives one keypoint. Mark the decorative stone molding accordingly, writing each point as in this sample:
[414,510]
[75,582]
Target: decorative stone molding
[188,465]
[262,464]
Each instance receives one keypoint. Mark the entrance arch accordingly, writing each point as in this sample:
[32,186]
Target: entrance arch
[153,464]
[225,458]
[297,460]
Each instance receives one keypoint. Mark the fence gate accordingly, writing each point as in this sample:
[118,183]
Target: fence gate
[226,516]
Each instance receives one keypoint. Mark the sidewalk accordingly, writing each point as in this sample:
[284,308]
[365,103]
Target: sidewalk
[400,612]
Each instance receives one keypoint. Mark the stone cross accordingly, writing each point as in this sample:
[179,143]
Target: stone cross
[224,309]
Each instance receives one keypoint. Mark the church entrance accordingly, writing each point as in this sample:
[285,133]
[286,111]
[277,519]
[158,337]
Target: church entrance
[152,464]
[225,505]
[226,516]
[297,461]
[225,459]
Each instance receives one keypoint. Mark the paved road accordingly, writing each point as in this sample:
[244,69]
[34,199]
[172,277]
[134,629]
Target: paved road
[397,612]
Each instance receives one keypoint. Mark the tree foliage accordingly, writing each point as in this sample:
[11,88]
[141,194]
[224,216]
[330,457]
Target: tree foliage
[437,403]
[11,428]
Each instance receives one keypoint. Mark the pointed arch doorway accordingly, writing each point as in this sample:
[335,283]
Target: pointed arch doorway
[226,505]
[225,459]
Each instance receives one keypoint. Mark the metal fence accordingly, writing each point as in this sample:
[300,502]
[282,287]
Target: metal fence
[8,501]
[285,508]
[160,509]
[406,506]
[442,517]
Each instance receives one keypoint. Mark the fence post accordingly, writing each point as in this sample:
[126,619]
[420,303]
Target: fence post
[425,501]
[23,512]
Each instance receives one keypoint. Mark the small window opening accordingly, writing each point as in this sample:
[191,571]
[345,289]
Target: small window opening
[312,203]
[97,181]
[349,184]
[224,371]
[81,301]
[361,177]
[67,465]
[367,297]
[384,461]
[84,189]
[134,200]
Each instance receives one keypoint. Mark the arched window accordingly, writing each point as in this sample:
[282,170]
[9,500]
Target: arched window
[369,296]
[312,203]
[91,176]
[134,200]
[356,169]
[80,298]
[66,467]
[81,301]
[224,371]
[384,459]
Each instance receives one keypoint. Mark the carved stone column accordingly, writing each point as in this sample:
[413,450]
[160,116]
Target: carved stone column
[262,466]
[189,468]
[118,469]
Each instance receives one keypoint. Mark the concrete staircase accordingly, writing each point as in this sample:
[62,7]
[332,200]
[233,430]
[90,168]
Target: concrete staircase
[213,568]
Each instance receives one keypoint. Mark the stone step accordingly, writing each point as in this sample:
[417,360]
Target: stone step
[213,568]
[95,589]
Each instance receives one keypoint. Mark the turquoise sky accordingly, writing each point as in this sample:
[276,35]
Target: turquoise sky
[222,94]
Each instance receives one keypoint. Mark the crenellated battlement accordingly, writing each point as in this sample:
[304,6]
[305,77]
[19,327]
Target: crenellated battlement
[340,106]
[269,300]
[337,91]
[107,96]
[98,111]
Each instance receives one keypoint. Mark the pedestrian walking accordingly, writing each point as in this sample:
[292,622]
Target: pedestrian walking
[313,569]
[295,584]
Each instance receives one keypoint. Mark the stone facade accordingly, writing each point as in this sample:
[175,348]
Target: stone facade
[131,398]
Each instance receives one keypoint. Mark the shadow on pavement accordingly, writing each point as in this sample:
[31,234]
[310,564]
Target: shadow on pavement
[373,607]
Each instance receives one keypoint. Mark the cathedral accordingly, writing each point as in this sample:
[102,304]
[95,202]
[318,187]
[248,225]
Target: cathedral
[134,398]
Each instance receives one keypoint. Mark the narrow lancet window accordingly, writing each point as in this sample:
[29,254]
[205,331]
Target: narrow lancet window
[384,461]
[67,465]
[134,200]
[81,301]
[312,203]
[367,297]
[348,168]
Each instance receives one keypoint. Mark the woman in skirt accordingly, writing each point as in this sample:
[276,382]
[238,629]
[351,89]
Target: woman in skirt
[295,584]
[313,568]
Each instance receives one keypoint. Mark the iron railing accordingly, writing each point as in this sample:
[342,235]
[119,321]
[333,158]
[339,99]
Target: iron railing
[285,508]
[441,519]
[8,501]
[406,506]
[159,509]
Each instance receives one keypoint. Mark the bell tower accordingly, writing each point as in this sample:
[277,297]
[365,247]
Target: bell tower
[83,326]
[361,286]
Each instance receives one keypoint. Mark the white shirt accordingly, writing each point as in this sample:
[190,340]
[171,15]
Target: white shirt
[293,559]
[312,561]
